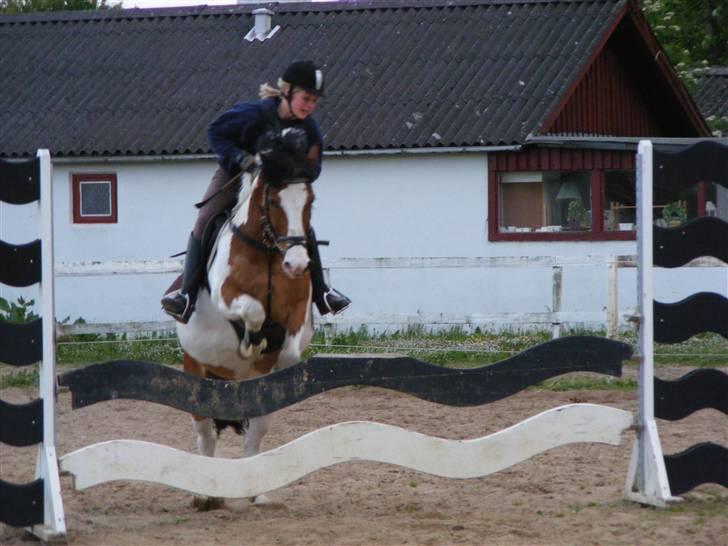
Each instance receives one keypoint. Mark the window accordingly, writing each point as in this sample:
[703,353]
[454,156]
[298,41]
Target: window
[620,203]
[545,202]
[561,194]
[94,198]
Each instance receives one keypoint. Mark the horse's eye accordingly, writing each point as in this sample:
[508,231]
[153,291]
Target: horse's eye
[275,204]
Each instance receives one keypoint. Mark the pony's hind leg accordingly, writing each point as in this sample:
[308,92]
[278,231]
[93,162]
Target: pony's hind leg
[257,428]
[206,439]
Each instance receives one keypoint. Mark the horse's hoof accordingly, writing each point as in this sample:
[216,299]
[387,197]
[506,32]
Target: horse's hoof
[205,504]
[260,500]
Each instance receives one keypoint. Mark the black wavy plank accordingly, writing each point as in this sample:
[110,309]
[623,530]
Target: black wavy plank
[705,161]
[21,343]
[21,505]
[21,424]
[706,236]
[701,312]
[21,263]
[699,389]
[701,463]
[20,181]
[243,399]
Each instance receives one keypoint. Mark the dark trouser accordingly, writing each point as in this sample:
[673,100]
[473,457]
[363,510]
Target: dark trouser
[222,201]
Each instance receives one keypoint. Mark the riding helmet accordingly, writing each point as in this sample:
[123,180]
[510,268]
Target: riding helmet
[305,75]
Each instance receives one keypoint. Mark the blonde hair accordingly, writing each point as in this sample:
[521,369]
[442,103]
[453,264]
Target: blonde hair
[267,91]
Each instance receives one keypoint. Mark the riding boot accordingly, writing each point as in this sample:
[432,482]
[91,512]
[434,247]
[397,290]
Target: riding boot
[327,300]
[180,303]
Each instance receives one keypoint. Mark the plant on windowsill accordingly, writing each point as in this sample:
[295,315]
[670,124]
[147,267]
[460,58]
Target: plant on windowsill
[675,213]
[575,214]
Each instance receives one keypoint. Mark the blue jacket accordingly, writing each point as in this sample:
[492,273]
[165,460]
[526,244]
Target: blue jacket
[235,133]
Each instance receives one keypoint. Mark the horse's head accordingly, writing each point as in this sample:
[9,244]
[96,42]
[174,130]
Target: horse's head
[274,212]
[287,213]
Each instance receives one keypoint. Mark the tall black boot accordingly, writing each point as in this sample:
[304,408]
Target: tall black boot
[180,303]
[327,300]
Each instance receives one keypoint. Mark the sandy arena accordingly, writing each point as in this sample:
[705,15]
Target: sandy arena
[570,495]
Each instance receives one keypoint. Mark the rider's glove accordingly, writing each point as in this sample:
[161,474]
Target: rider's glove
[248,163]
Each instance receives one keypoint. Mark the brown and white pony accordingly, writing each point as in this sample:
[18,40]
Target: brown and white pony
[257,274]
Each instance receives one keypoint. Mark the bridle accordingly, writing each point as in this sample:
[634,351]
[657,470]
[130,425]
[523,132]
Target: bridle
[271,243]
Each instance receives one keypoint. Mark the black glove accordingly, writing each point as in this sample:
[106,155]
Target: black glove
[247,162]
[304,169]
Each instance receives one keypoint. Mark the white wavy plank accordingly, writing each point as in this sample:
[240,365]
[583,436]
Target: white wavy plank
[343,442]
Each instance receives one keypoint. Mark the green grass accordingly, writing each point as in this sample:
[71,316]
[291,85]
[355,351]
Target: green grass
[19,378]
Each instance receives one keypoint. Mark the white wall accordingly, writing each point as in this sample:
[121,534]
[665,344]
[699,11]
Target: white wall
[415,205]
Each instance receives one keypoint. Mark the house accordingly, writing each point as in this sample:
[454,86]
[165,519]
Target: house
[463,140]
[711,94]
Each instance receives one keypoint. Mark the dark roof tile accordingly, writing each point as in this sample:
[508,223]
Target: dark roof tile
[711,94]
[399,73]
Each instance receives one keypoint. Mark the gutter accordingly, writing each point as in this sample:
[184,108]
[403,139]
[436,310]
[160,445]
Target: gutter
[61,160]
[614,143]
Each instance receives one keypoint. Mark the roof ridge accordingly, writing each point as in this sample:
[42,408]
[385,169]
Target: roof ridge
[246,9]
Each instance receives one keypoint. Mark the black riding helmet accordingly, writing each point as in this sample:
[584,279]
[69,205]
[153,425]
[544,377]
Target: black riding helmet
[304,75]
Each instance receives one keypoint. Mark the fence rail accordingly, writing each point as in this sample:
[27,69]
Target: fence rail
[555,317]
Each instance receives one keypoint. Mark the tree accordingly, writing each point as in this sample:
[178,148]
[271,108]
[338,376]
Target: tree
[693,33]
[26,6]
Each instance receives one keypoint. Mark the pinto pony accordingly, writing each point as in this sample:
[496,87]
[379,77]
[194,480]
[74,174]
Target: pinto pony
[254,315]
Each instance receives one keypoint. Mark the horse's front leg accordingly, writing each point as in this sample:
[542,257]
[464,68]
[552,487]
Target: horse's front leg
[257,428]
[251,312]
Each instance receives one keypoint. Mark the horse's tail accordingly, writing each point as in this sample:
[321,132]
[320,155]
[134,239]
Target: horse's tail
[239,427]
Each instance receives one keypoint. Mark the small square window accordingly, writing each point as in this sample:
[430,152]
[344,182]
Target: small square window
[94,198]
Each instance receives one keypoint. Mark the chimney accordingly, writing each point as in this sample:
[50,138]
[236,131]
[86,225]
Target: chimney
[261,30]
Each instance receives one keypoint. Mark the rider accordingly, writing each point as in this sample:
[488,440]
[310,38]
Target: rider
[234,136]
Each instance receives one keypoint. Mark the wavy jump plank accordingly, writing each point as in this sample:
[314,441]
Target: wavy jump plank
[20,181]
[701,312]
[244,399]
[706,236]
[21,263]
[345,442]
[21,344]
[21,505]
[21,424]
[679,170]
[701,463]
[699,389]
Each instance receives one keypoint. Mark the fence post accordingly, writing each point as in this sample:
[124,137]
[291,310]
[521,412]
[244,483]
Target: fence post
[556,326]
[613,298]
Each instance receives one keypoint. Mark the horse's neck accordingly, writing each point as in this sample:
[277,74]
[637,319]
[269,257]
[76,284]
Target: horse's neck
[246,214]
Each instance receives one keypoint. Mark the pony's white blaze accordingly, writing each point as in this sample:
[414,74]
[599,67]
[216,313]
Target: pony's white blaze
[293,201]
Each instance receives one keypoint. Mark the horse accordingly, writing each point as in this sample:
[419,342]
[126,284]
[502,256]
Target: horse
[254,315]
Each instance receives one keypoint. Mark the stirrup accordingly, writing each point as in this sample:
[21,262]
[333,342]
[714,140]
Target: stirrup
[335,302]
[178,305]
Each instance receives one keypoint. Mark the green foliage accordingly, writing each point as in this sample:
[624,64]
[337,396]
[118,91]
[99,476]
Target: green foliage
[20,379]
[675,212]
[17,312]
[91,348]
[693,33]
[28,6]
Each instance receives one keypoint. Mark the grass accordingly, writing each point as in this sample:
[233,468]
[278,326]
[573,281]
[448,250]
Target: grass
[451,348]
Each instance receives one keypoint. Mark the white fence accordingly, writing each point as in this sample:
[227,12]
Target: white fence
[553,318]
